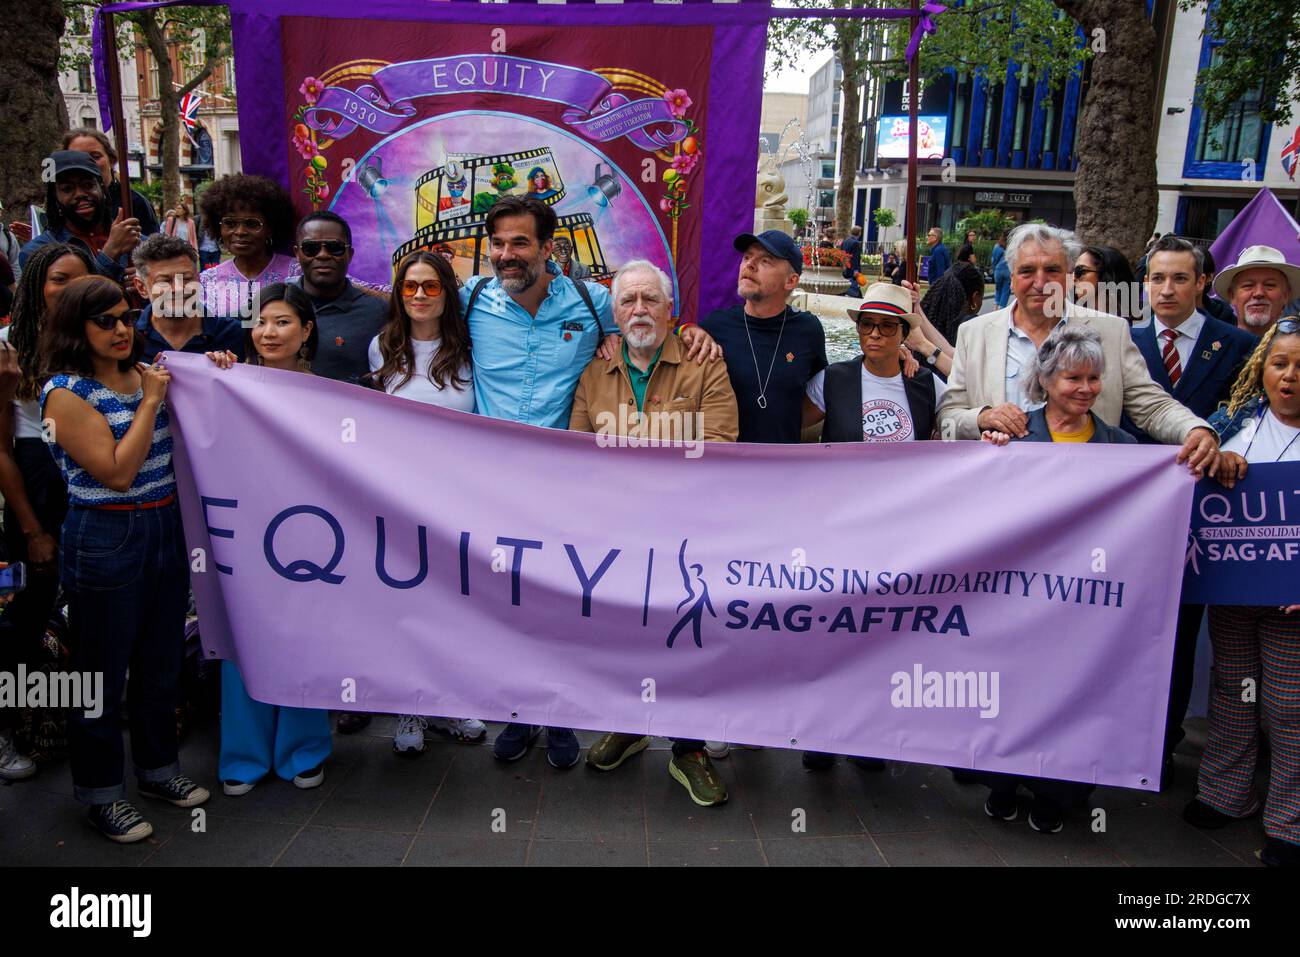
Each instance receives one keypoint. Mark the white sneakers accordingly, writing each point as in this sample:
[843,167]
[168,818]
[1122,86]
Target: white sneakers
[408,739]
[14,766]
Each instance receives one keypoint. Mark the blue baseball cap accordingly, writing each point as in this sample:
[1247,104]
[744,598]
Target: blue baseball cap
[777,243]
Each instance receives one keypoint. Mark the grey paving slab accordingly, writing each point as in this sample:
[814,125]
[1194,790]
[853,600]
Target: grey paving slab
[671,815]
[598,806]
[63,837]
[226,842]
[344,847]
[959,847]
[490,851]
[481,793]
[787,801]
[385,792]
[904,797]
[587,854]
[706,854]
[1019,845]
[822,852]
[1155,836]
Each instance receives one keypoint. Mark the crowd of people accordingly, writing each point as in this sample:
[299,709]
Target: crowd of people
[90,494]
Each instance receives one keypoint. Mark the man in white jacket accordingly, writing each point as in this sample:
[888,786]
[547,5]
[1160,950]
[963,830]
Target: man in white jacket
[986,391]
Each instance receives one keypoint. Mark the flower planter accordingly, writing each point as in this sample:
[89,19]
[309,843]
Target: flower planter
[824,281]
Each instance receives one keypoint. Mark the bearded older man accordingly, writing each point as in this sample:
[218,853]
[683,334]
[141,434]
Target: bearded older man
[987,388]
[650,391]
[1258,287]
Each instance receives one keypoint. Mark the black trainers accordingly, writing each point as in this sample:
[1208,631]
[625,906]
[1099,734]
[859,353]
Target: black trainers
[818,761]
[350,722]
[119,822]
[1276,853]
[1199,814]
[180,791]
[1045,816]
[1001,805]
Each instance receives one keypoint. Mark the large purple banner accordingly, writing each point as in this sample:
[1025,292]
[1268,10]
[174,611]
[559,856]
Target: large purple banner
[951,603]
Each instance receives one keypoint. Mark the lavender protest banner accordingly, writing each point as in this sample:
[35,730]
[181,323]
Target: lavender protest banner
[1244,543]
[1006,609]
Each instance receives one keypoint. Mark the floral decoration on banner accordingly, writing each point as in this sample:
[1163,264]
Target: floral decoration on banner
[686,158]
[305,144]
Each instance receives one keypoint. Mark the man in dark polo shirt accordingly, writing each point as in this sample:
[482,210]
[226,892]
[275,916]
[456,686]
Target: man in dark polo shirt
[771,350]
[347,317]
[167,275]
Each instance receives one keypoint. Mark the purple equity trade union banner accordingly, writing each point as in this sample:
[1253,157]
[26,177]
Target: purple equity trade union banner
[635,122]
[951,603]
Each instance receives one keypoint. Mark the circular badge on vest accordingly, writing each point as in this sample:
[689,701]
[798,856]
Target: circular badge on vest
[885,421]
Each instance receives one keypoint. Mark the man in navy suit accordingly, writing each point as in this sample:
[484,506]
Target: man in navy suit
[1194,358]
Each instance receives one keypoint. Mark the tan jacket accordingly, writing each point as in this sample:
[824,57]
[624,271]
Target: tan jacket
[979,369]
[677,387]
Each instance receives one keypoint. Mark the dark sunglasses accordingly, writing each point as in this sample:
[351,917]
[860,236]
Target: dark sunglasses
[432,287]
[1081,271]
[250,223]
[311,247]
[886,328]
[107,322]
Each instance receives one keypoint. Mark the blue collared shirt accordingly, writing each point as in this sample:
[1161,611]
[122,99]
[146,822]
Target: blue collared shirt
[216,335]
[526,368]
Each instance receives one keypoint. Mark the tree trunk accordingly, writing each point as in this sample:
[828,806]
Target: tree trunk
[169,104]
[35,114]
[848,34]
[1115,187]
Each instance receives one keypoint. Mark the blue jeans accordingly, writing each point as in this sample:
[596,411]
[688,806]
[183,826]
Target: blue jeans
[1002,287]
[127,584]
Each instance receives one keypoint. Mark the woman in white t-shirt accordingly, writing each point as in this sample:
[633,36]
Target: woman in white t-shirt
[422,354]
[1256,645]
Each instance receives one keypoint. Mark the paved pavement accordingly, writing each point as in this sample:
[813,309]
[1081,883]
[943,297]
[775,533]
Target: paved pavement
[439,809]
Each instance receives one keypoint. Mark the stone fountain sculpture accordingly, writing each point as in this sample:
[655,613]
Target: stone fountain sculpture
[770,198]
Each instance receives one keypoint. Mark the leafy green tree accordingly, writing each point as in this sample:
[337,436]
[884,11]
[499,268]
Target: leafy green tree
[198,36]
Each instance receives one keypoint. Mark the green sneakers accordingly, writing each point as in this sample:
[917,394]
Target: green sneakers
[695,772]
[613,749]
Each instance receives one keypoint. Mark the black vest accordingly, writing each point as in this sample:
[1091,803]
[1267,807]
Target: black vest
[843,398]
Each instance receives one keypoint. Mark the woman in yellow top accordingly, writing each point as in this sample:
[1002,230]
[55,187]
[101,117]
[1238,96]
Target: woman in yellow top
[1066,376]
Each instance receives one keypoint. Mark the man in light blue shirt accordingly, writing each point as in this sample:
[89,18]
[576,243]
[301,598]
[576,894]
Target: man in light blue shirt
[533,329]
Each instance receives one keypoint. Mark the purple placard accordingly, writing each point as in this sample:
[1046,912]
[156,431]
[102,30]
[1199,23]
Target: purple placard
[947,603]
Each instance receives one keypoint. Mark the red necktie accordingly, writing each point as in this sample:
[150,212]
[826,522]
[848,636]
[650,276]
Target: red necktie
[1170,354]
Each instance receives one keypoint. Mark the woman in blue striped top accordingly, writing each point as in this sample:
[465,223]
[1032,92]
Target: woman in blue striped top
[122,555]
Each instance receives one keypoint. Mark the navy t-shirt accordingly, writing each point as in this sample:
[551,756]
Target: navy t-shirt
[799,354]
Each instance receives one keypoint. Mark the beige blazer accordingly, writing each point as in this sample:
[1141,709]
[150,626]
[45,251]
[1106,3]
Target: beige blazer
[979,370]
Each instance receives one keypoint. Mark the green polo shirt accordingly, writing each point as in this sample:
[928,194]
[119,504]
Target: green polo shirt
[640,380]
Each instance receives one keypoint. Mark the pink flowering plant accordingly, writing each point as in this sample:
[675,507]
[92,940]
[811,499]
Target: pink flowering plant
[686,158]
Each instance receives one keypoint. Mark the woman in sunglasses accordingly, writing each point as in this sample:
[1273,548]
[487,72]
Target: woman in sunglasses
[252,218]
[257,738]
[1256,645]
[422,354]
[122,560]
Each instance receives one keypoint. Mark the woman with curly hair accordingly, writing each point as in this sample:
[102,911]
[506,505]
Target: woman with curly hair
[953,298]
[252,217]
[35,496]
[1256,645]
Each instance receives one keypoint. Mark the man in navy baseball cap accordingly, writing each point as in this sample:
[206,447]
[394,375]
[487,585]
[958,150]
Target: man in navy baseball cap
[775,242]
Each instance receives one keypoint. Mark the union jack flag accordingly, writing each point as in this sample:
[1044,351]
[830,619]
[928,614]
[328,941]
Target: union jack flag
[1291,154]
[189,107]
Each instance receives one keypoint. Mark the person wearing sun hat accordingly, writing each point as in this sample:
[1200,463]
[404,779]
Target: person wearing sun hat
[1258,287]
[868,399]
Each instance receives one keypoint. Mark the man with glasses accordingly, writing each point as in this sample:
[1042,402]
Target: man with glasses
[347,317]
